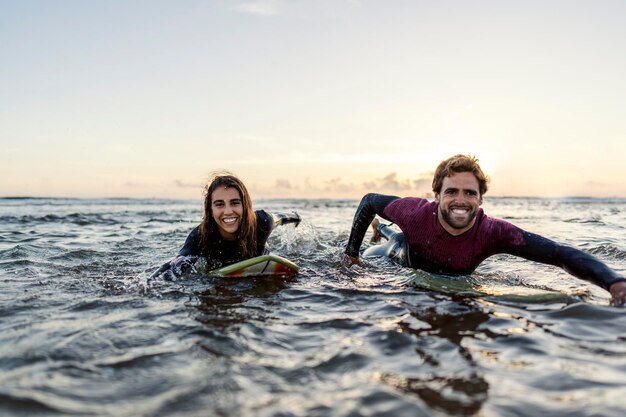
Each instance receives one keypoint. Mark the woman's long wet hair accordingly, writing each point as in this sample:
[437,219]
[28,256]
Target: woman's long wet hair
[209,232]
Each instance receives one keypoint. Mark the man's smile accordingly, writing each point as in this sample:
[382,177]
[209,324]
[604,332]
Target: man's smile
[460,210]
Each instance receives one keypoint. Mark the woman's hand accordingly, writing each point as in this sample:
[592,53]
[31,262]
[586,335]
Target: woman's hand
[175,268]
[182,264]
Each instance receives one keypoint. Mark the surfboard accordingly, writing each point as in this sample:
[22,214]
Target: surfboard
[464,286]
[260,266]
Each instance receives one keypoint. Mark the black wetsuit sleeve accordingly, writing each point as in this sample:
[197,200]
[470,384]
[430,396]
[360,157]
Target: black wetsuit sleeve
[264,226]
[190,248]
[370,206]
[576,262]
[192,244]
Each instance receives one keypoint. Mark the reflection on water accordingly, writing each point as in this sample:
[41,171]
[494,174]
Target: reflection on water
[463,392]
[84,332]
[231,301]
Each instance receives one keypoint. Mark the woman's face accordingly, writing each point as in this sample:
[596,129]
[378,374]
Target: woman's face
[227,211]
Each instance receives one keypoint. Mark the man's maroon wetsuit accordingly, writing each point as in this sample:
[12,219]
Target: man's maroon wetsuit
[431,248]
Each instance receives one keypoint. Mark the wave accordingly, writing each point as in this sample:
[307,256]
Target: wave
[608,251]
[167,221]
[22,251]
[21,404]
[81,219]
[595,220]
[15,236]
[78,254]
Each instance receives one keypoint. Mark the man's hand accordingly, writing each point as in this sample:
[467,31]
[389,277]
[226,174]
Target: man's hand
[348,261]
[618,293]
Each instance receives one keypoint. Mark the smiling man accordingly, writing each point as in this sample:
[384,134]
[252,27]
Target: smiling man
[452,235]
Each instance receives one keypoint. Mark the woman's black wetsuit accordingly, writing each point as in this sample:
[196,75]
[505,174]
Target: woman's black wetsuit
[228,252]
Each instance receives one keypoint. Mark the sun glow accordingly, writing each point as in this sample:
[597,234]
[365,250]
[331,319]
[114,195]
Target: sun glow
[307,100]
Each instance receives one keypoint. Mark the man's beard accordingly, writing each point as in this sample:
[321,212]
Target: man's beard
[447,216]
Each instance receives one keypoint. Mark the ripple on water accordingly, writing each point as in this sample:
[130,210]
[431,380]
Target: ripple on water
[587,322]
[83,331]
[22,403]
[77,255]
[25,251]
[608,251]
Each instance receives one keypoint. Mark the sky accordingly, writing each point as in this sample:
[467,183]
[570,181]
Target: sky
[310,98]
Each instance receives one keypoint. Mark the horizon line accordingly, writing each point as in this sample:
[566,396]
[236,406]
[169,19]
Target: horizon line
[26,197]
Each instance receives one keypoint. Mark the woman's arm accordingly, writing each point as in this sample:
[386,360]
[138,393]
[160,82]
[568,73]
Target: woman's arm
[187,257]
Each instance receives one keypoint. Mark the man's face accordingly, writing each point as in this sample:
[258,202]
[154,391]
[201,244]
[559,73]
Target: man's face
[458,202]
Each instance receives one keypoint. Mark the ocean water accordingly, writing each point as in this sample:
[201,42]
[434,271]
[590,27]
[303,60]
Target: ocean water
[83,332]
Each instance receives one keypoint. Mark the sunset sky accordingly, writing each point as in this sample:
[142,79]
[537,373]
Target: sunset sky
[310,98]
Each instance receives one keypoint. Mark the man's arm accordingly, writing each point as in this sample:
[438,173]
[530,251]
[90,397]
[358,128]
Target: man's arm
[370,206]
[576,262]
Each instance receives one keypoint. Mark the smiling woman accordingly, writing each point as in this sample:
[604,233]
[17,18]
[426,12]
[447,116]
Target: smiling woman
[230,221]
[227,211]
[230,231]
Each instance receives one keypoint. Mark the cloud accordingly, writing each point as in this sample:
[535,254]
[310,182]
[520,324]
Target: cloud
[336,185]
[391,183]
[283,184]
[333,185]
[328,8]
[182,184]
[424,181]
[260,7]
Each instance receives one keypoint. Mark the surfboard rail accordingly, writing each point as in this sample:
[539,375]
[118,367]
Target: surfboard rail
[264,265]
[464,287]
